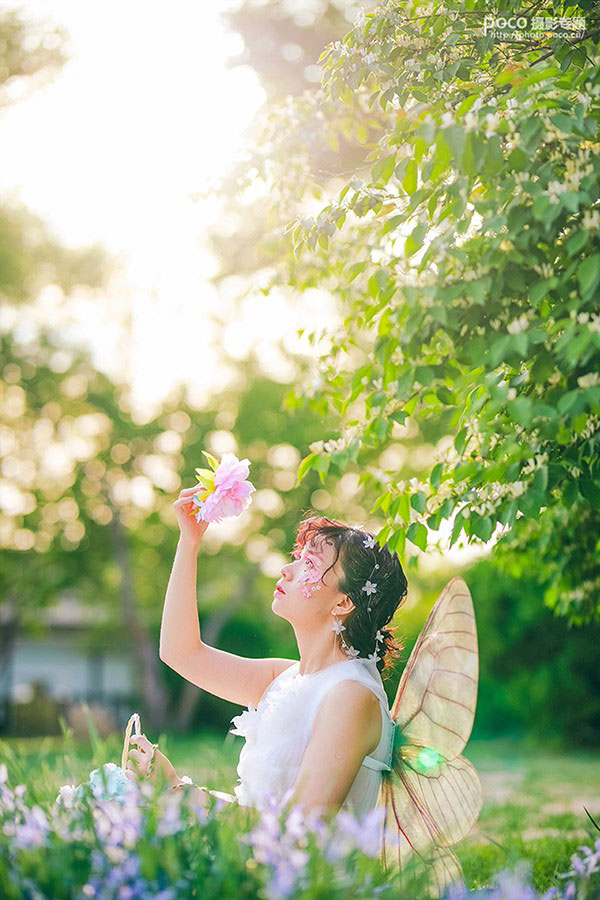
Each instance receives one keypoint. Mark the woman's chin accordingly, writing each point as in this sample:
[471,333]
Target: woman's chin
[277,604]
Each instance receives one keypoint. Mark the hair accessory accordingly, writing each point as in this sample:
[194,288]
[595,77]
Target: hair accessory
[338,628]
[369,588]
[352,652]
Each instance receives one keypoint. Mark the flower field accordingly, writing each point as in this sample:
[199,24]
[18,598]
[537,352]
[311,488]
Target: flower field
[533,829]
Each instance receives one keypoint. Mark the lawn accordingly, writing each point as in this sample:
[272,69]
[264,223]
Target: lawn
[533,800]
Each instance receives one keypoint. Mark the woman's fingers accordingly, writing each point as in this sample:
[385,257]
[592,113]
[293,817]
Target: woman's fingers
[183,501]
[187,492]
[139,758]
[140,740]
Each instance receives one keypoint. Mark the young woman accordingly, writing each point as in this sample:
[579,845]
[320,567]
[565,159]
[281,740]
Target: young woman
[318,730]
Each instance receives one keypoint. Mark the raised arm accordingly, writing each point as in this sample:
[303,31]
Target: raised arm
[239,679]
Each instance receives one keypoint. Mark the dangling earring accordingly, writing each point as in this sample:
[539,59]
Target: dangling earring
[338,628]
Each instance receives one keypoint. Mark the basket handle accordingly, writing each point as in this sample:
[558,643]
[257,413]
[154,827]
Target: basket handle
[133,727]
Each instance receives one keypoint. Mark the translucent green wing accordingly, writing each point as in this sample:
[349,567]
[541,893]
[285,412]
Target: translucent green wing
[432,796]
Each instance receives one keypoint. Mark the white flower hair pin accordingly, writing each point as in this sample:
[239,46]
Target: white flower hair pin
[369,588]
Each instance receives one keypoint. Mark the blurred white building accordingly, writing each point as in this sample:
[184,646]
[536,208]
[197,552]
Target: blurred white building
[68,659]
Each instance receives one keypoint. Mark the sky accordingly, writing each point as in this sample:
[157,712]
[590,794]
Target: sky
[144,115]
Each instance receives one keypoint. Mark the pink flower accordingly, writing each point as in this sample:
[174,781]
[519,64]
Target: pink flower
[231,492]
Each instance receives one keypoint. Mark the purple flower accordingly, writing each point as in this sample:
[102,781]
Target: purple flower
[351,832]
[32,831]
[170,820]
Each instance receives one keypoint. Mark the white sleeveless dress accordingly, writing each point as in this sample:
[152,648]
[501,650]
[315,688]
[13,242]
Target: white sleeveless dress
[277,732]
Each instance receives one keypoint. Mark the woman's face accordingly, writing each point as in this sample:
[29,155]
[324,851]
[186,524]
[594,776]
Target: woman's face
[307,596]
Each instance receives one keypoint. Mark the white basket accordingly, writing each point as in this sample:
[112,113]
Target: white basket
[133,727]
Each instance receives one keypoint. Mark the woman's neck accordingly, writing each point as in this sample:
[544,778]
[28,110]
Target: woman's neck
[317,652]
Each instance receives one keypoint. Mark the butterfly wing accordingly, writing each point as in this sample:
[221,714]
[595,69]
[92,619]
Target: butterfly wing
[432,796]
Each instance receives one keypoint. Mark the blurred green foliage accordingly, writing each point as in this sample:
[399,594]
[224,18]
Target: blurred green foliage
[462,248]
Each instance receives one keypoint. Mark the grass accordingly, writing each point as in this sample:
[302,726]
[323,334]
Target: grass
[533,809]
[533,798]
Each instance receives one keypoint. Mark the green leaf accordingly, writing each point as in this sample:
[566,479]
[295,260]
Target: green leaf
[494,160]
[460,440]
[454,138]
[417,501]
[396,543]
[576,242]
[383,169]
[508,513]
[306,464]
[381,536]
[414,241]
[417,534]
[590,491]
[436,474]
[459,521]
[404,507]
[570,200]
[563,122]
[570,493]
[392,223]
[404,384]
[211,459]
[481,526]
[399,416]
[530,503]
[382,428]
[409,182]
[588,275]
[355,269]
[540,480]
[520,410]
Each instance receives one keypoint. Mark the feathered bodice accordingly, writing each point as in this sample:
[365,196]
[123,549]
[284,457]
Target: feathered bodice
[277,732]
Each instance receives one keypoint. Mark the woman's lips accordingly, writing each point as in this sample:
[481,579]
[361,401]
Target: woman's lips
[278,590]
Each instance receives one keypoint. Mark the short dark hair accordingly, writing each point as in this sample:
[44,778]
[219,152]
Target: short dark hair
[358,562]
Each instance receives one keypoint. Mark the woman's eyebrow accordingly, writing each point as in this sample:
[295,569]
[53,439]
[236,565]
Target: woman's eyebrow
[312,549]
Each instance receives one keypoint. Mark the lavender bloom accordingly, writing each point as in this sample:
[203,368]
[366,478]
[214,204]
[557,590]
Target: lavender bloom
[278,842]
[32,832]
[170,815]
[512,885]
[456,891]
[354,832]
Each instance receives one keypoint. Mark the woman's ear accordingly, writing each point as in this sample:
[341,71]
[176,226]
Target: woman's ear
[344,606]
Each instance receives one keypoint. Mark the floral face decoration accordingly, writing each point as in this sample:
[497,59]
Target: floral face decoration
[309,576]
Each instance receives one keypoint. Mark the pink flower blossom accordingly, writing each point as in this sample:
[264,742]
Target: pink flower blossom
[231,493]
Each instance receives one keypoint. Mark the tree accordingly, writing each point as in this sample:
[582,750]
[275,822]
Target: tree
[467,260]
[32,54]
[282,42]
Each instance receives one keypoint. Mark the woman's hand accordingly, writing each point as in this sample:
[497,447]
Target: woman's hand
[190,530]
[138,762]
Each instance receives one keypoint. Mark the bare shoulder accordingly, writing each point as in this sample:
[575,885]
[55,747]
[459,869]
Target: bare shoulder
[352,707]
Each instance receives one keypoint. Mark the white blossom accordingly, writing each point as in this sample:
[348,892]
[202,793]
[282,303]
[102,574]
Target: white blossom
[588,380]
[517,325]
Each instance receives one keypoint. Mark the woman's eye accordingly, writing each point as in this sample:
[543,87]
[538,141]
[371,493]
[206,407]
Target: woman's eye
[309,561]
